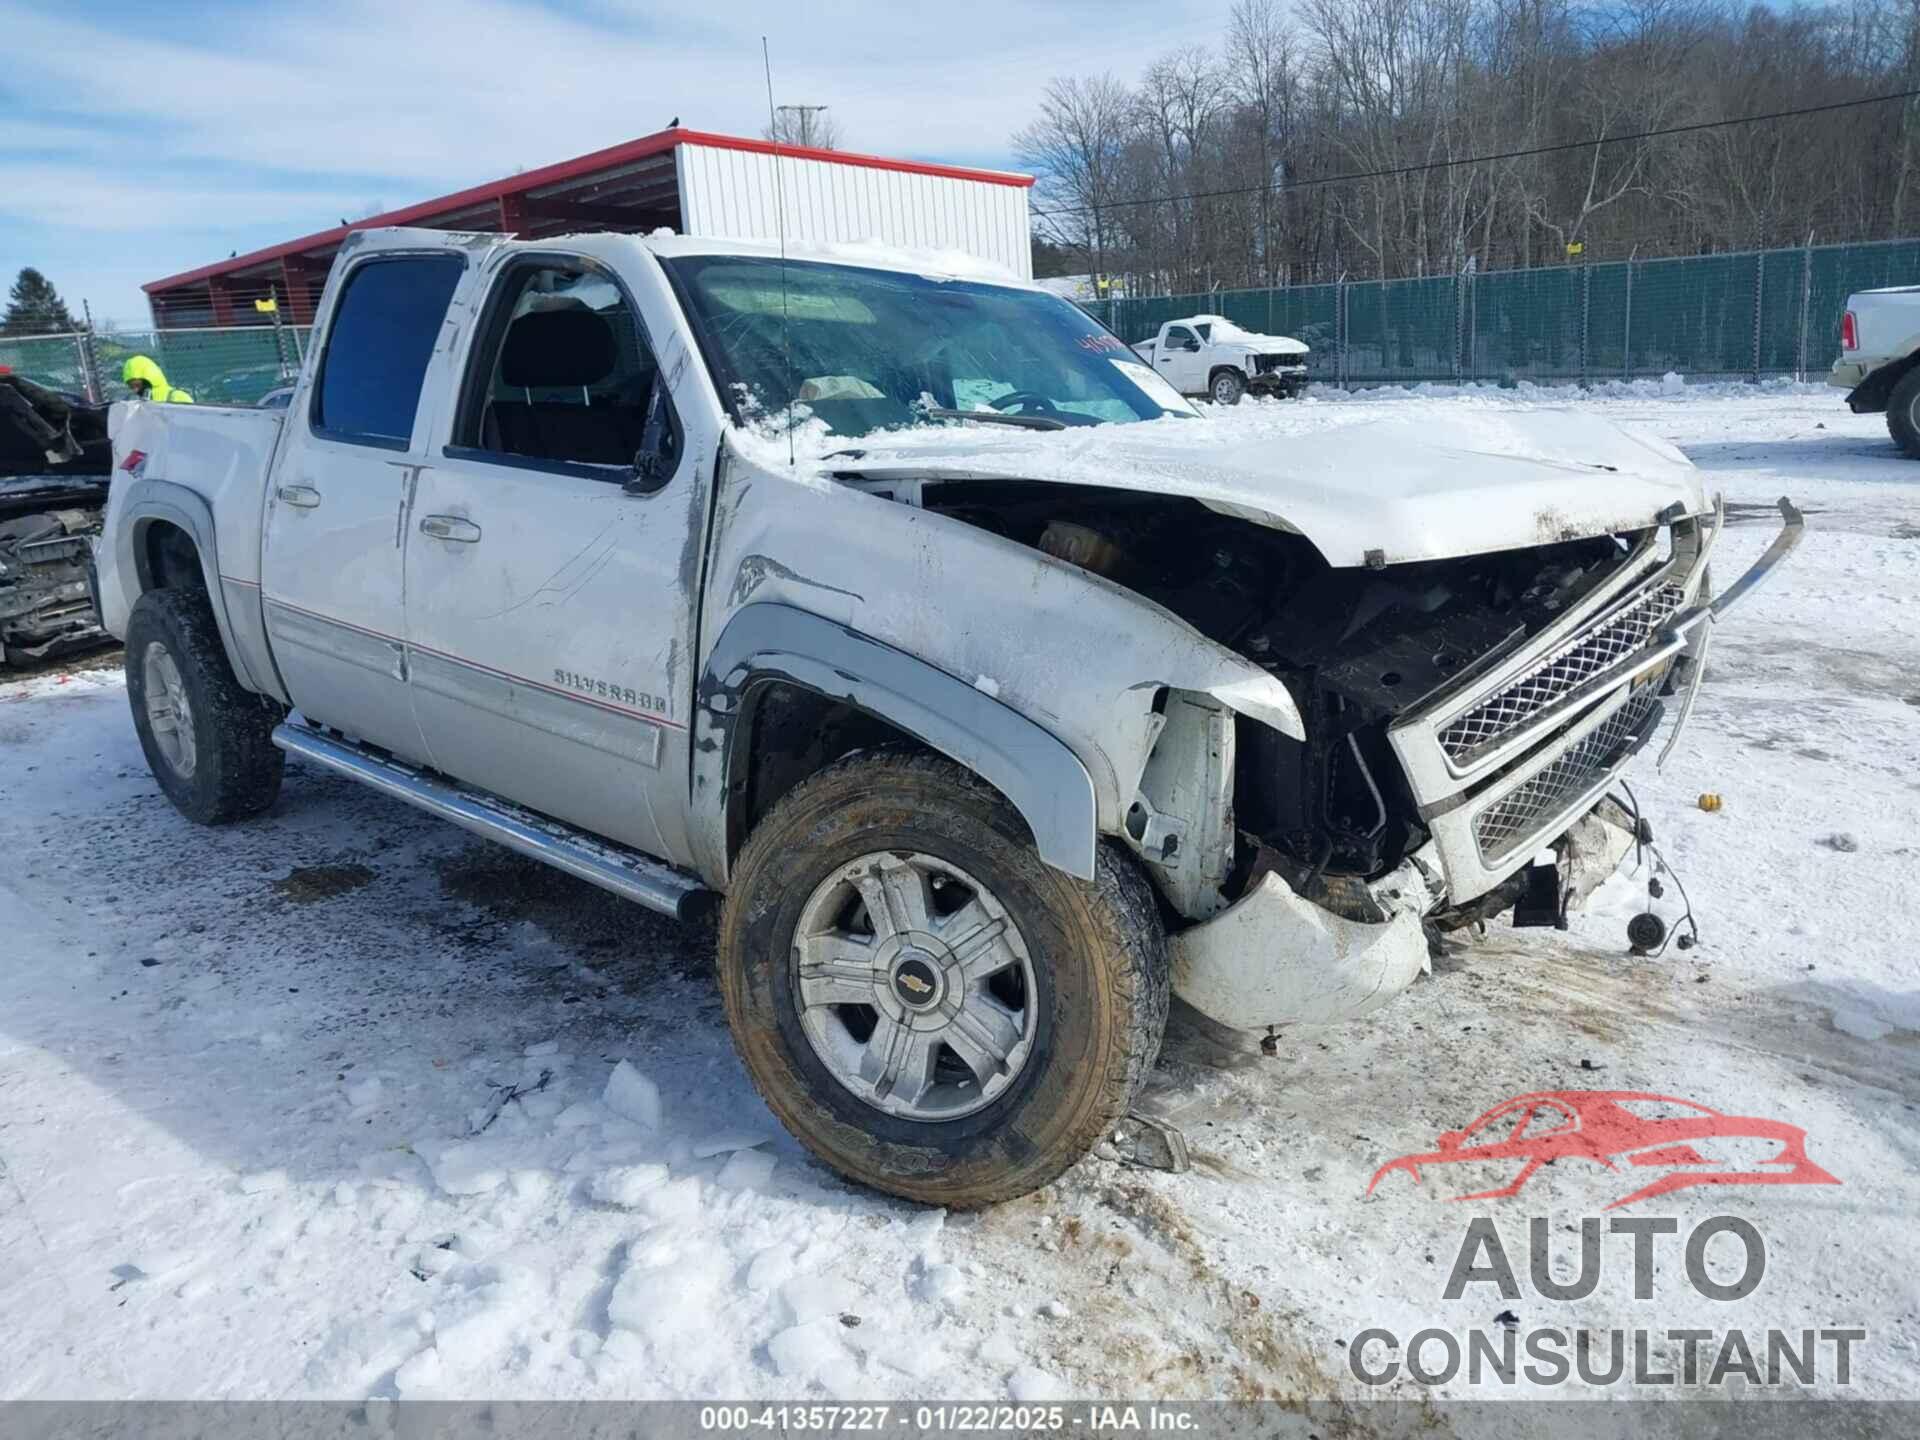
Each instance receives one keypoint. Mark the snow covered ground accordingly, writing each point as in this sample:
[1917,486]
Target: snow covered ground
[344,1103]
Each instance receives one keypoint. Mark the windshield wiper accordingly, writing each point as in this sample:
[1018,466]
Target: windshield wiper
[994,417]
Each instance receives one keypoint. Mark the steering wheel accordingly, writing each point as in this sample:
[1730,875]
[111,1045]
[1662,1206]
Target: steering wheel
[1031,399]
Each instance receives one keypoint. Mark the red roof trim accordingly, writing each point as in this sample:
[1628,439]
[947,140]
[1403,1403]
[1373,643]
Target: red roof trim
[849,157]
[578,168]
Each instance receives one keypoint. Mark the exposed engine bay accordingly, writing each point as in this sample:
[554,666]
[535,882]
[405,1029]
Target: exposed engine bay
[1356,647]
[54,467]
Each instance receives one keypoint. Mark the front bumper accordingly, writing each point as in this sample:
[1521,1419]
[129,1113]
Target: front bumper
[1276,377]
[1271,958]
[1848,374]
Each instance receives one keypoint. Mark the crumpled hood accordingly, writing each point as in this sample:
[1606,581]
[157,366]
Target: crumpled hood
[1429,488]
[1263,344]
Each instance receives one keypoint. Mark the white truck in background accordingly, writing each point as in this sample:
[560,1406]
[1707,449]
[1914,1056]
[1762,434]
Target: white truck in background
[1210,355]
[1879,364]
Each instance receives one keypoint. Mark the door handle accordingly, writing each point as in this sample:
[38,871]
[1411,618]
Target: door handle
[305,496]
[449,527]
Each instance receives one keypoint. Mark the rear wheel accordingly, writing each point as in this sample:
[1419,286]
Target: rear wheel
[208,740]
[1227,387]
[1903,413]
[923,1003]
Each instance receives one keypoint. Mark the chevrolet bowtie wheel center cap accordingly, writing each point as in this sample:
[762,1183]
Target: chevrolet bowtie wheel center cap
[916,980]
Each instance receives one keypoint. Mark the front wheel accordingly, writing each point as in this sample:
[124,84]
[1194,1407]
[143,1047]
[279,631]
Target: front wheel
[1228,386]
[1903,413]
[208,739]
[927,1006]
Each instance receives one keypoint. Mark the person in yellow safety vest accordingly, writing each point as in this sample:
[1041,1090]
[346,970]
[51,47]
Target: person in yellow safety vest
[149,382]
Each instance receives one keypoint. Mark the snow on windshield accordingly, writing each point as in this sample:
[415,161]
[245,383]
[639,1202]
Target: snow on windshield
[868,350]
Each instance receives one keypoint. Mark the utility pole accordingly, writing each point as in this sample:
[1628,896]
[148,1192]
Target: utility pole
[806,114]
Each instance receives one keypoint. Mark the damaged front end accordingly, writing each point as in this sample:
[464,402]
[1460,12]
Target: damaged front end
[54,465]
[46,606]
[1410,745]
[1463,730]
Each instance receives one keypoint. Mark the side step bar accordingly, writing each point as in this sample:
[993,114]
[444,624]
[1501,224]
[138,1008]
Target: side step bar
[612,867]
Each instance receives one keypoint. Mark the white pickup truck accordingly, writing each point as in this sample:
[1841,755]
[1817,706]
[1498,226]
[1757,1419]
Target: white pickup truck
[1210,355]
[1879,364]
[999,695]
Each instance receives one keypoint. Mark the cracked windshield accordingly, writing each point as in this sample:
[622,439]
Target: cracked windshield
[867,350]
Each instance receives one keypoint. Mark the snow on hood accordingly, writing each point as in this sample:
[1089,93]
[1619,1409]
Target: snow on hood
[1227,333]
[1430,488]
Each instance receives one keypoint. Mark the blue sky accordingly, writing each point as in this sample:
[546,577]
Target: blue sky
[136,142]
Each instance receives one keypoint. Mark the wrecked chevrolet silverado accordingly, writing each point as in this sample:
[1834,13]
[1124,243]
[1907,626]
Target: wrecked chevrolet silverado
[54,460]
[999,695]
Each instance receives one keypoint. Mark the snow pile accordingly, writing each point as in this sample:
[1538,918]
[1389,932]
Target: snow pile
[474,1129]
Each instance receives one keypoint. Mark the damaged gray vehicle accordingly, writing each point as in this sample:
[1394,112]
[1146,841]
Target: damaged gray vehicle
[902,607]
[54,460]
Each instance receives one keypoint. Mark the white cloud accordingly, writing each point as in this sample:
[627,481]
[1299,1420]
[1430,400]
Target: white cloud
[266,114]
[65,198]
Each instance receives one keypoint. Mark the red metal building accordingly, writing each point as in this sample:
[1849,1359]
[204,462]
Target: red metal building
[692,181]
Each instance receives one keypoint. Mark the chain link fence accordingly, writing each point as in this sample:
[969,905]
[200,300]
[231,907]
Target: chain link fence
[230,366]
[1766,312]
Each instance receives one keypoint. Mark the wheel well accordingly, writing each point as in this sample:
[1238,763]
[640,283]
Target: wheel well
[785,734]
[1871,395]
[1214,373]
[788,733]
[168,559]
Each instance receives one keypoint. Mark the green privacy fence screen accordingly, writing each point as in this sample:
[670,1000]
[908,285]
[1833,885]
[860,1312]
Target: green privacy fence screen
[1768,312]
[217,367]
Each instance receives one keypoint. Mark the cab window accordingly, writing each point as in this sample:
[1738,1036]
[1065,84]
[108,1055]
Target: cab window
[563,377]
[1181,338]
[379,341]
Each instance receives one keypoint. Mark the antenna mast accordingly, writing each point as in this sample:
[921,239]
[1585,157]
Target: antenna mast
[780,213]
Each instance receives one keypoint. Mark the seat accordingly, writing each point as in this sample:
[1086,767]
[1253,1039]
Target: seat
[564,349]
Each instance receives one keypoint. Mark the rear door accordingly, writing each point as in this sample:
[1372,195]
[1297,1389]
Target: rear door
[333,568]
[549,617]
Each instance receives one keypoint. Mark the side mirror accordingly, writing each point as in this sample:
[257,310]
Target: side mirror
[653,462]
[649,474]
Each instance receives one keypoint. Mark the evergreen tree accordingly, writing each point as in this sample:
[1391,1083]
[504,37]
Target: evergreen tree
[34,307]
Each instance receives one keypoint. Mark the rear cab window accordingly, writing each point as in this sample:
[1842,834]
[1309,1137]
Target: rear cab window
[379,343]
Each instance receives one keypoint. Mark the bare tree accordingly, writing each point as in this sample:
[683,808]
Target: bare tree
[1075,149]
[807,125]
[1419,137]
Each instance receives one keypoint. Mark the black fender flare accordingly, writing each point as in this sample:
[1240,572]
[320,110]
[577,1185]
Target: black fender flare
[1871,395]
[1040,776]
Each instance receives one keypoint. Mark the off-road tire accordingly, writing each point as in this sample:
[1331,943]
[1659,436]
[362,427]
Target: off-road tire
[1903,413]
[1099,958]
[1226,387]
[237,767]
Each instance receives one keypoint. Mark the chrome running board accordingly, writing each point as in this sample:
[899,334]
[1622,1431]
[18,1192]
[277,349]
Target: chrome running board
[625,872]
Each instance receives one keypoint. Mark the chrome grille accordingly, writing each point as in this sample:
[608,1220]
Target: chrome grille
[1563,672]
[1520,813]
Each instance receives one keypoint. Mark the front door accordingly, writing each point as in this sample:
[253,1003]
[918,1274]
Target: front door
[549,621]
[1179,360]
[333,575]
